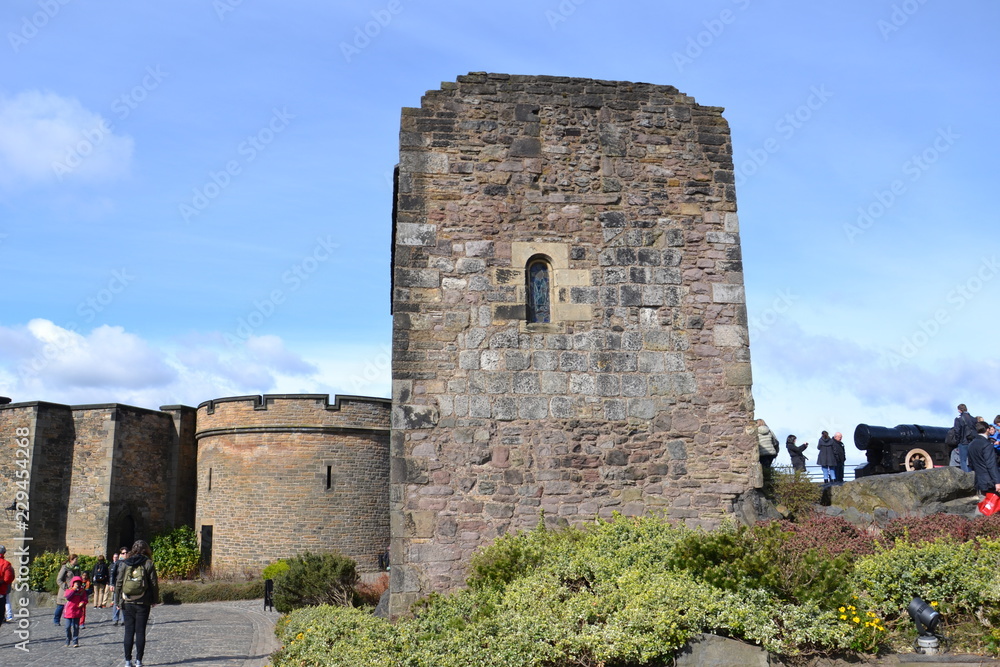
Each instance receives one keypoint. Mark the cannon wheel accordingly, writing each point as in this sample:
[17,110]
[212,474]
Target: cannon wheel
[918,459]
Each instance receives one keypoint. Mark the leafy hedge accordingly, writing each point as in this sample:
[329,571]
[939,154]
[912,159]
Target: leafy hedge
[189,591]
[632,591]
[176,553]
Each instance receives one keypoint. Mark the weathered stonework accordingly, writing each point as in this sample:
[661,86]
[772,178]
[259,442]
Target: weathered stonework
[98,476]
[279,475]
[635,398]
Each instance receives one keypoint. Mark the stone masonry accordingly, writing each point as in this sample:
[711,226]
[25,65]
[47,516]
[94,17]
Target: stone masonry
[635,397]
[93,477]
[279,475]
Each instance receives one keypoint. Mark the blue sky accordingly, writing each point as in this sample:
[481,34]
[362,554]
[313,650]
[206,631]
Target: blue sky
[195,198]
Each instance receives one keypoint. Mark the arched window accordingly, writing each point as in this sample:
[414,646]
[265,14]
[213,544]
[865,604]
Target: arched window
[538,273]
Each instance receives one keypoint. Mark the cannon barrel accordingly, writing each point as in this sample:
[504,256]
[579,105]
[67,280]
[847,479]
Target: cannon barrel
[866,436]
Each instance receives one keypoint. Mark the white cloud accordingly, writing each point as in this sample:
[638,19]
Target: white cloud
[270,350]
[47,138]
[45,362]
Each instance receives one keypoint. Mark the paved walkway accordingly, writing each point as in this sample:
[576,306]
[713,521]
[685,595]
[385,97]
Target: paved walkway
[209,634]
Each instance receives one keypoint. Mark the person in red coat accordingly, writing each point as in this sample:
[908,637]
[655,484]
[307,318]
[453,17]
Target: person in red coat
[6,579]
[76,606]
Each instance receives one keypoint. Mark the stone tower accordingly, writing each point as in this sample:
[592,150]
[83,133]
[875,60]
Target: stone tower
[569,322]
[281,474]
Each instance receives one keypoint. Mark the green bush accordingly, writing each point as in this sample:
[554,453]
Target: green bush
[176,553]
[327,636]
[190,591]
[315,579]
[276,568]
[762,557]
[631,592]
[792,491]
[965,577]
[43,570]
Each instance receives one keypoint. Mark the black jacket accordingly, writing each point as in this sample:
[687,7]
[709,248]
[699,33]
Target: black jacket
[983,461]
[965,428]
[100,574]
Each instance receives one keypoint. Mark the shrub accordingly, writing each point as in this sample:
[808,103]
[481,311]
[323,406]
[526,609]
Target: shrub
[276,568]
[828,534]
[508,558]
[963,576]
[792,490]
[927,528]
[190,591]
[176,553]
[43,570]
[763,557]
[315,579]
[331,636]
[368,594]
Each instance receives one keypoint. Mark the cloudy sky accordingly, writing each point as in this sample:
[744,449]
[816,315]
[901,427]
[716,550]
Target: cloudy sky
[195,197]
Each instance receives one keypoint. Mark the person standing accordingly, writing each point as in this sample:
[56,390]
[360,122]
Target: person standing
[76,607]
[983,459]
[66,574]
[116,614]
[767,444]
[100,576]
[838,449]
[827,459]
[137,590]
[965,431]
[797,453]
[6,579]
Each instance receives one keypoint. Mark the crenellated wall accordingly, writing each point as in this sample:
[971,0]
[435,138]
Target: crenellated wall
[279,475]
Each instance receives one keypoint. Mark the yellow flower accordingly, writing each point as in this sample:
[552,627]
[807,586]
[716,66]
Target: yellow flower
[843,618]
[933,604]
[299,636]
[856,619]
[841,610]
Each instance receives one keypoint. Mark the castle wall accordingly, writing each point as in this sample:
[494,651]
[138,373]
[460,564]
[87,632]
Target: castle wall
[147,449]
[49,428]
[100,475]
[635,397]
[281,475]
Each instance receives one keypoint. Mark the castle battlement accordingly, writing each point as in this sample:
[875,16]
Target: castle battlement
[284,412]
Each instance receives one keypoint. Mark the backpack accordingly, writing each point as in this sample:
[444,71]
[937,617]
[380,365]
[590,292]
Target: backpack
[951,437]
[134,586]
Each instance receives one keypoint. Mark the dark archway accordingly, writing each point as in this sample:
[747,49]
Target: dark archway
[126,532]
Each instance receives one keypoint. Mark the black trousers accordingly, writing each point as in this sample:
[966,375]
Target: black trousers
[136,618]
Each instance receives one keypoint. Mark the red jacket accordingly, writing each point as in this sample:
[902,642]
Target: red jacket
[76,600]
[6,575]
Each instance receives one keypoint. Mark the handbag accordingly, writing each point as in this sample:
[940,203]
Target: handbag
[990,504]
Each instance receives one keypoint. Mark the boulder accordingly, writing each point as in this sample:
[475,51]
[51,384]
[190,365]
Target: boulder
[752,507]
[706,650]
[917,493]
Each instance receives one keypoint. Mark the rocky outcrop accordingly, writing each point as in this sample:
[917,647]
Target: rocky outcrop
[880,498]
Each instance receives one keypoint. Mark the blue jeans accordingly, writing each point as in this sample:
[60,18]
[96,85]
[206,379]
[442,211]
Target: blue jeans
[72,630]
[116,615]
[829,474]
[57,616]
[963,456]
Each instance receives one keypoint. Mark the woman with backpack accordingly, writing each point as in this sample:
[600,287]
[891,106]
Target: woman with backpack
[136,590]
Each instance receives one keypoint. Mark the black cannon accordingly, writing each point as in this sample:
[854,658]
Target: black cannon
[905,447]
